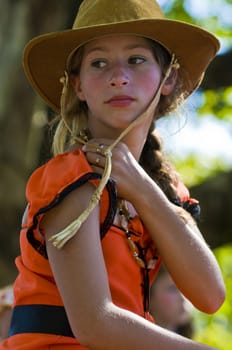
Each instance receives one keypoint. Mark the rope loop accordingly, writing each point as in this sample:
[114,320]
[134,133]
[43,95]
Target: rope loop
[61,238]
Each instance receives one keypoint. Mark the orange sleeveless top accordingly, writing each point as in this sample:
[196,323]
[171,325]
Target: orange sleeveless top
[35,283]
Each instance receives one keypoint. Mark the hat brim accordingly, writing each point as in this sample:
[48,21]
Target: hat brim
[45,56]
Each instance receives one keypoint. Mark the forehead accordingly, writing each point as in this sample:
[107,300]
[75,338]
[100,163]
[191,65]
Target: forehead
[118,40]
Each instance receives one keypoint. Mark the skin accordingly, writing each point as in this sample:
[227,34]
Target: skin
[169,307]
[5,317]
[113,66]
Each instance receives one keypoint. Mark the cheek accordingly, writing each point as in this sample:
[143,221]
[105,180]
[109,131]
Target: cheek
[164,298]
[165,307]
[150,82]
[169,299]
[91,88]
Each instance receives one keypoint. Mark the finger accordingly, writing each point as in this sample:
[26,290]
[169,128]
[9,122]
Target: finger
[97,169]
[97,160]
[95,148]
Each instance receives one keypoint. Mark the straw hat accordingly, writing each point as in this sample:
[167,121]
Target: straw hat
[45,56]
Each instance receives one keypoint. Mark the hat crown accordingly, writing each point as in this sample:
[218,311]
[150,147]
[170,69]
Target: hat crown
[45,57]
[103,12]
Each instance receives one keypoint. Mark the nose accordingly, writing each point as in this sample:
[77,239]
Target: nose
[119,76]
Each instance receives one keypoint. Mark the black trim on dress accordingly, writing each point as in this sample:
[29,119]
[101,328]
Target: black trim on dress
[40,246]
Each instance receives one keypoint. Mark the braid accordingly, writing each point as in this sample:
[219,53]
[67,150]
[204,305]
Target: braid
[156,165]
[164,174]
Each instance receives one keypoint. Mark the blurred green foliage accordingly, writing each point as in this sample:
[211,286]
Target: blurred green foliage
[218,102]
[195,170]
[216,330]
[215,16]
[212,15]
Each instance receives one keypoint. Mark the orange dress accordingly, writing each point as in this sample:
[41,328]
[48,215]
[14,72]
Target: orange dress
[36,296]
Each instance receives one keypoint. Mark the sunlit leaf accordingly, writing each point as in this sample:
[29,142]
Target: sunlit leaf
[216,330]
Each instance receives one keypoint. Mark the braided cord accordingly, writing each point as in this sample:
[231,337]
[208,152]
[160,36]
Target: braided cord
[62,237]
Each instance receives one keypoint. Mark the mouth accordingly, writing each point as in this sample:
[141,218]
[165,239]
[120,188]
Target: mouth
[120,101]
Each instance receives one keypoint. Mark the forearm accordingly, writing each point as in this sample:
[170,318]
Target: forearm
[188,258]
[121,329]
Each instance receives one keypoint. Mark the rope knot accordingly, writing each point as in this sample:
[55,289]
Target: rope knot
[59,239]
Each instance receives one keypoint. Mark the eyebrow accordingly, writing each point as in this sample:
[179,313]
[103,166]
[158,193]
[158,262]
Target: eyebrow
[128,47]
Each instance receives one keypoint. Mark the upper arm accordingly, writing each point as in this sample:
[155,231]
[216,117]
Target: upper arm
[78,268]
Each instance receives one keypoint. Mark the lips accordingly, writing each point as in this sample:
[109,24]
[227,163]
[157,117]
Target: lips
[120,101]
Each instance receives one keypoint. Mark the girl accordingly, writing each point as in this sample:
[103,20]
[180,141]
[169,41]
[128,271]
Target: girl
[169,307]
[106,210]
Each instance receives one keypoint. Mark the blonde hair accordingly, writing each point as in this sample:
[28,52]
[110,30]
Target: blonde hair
[74,115]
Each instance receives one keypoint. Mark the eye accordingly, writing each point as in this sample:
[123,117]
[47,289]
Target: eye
[136,60]
[98,63]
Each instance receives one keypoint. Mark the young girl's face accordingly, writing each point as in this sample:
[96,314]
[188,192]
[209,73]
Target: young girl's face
[119,76]
[168,305]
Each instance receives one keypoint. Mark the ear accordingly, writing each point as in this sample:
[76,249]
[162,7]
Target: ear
[76,84]
[170,83]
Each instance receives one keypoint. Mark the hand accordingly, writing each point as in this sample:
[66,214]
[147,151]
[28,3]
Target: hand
[126,171]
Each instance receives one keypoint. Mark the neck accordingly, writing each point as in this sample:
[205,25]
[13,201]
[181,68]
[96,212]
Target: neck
[134,139]
[135,142]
